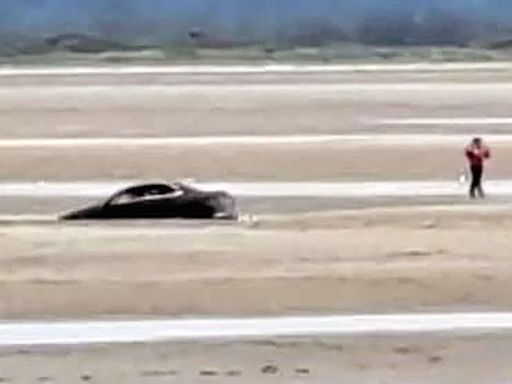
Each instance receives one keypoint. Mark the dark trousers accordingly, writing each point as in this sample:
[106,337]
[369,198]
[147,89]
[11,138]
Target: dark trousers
[476,181]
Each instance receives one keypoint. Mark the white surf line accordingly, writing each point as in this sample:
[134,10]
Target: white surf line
[166,141]
[84,189]
[248,140]
[89,332]
[31,92]
[426,121]
[249,69]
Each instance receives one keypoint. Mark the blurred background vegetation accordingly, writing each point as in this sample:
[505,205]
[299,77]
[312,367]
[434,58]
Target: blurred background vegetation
[45,31]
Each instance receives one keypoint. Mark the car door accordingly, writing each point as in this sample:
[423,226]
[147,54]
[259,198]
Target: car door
[193,206]
[156,208]
[124,210]
[146,208]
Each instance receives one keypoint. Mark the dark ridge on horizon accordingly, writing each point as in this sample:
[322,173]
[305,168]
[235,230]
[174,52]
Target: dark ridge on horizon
[298,22]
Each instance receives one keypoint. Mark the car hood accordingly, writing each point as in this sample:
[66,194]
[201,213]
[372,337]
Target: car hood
[90,212]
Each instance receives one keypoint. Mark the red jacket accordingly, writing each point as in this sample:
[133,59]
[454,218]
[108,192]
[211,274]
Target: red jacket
[476,156]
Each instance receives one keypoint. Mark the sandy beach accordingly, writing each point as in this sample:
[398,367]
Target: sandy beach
[308,256]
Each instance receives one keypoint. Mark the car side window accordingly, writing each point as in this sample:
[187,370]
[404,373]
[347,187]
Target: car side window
[130,196]
[123,198]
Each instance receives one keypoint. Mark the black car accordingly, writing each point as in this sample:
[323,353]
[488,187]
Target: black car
[160,201]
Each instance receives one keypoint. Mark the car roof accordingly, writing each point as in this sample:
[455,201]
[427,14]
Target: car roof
[140,189]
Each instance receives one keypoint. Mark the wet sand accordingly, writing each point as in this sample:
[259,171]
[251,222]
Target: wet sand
[332,162]
[372,260]
[429,359]
[174,105]
[452,257]
[185,105]
[150,106]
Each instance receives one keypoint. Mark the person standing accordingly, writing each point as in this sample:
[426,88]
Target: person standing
[477,153]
